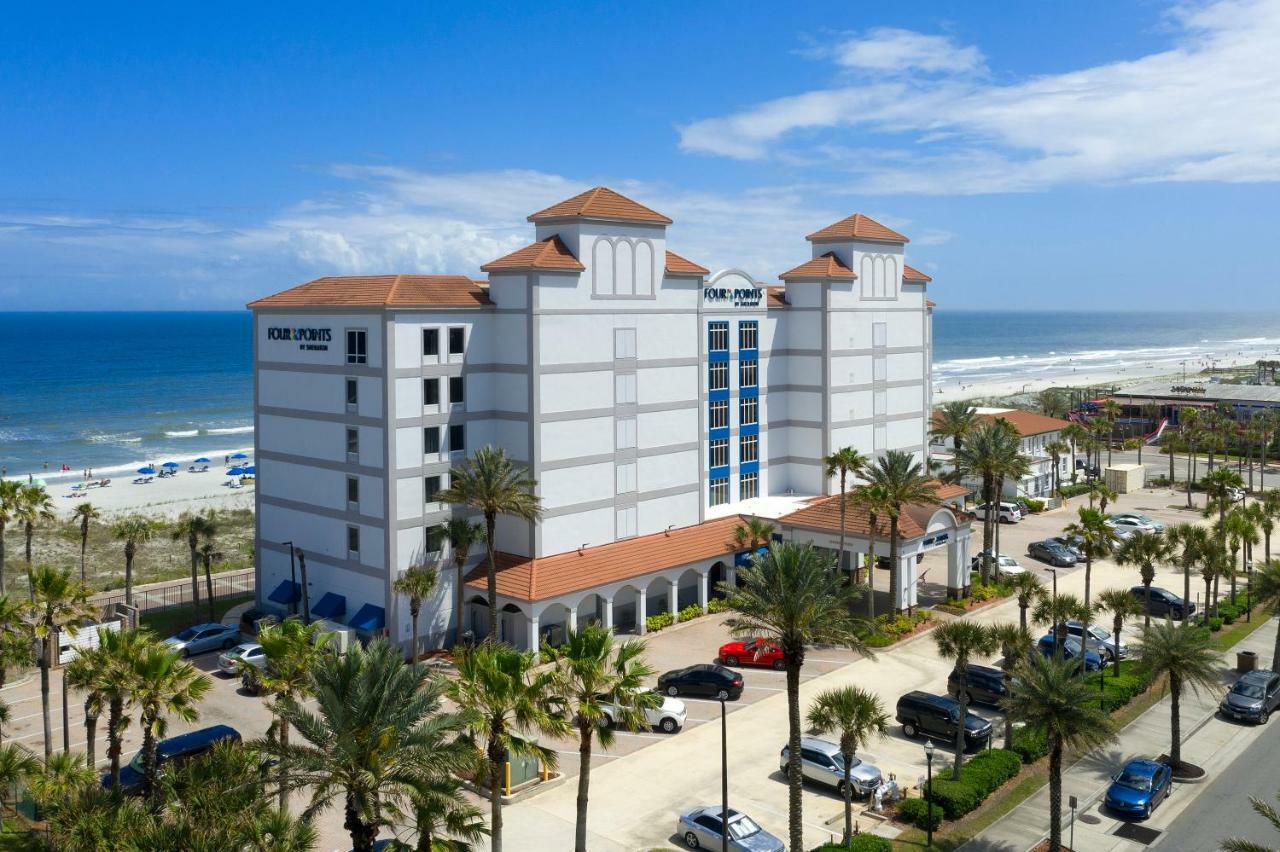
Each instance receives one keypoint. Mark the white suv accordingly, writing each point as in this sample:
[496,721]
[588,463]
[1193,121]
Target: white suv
[1009,513]
[667,717]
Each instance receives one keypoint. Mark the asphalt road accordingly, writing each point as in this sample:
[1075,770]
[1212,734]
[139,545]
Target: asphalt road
[1222,808]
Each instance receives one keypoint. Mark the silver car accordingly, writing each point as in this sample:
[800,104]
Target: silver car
[1100,640]
[699,828]
[667,717]
[821,762]
[248,653]
[204,637]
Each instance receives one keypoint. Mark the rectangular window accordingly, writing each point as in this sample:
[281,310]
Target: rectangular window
[880,369]
[457,340]
[720,491]
[457,438]
[626,527]
[748,411]
[749,486]
[881,403]
[626,478]
[353,392]
[718,337]
[353,440]
[718,415]
[353,490]
[431,440]
[435,538]
[748,448]
[747,369]
[430,488]
[718,375]
[879,438]
[626,433]
[624,343]
[879,334]
[431,341]
[748,335]
[357,346]
[624,389]
[718,452]
[457,390]
[430,391]
[353,540]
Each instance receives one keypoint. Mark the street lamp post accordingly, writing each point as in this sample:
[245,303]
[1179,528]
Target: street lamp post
[293,575]
[1248,591]
[928,796]
[724,778]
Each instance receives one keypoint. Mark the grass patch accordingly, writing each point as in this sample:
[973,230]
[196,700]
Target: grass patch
[955,834]
[167,622]
[1229,636]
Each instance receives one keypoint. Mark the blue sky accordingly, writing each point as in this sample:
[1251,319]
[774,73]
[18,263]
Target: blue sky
[1087,155]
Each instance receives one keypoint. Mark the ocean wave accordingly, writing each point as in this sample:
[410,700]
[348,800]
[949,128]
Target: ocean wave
[230,430]
[112,438]
[182,433]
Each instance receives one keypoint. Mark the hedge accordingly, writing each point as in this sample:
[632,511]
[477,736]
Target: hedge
[717,605]
[1073,490]
[1034,505]
[654,623]
[918,812]
[1030,745]
[1119,691]
[979,777]
[1215,624]
[860,843]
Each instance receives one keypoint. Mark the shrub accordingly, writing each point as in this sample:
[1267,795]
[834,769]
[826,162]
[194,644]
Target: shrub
[717,605]
[1030,745]
[919,813]
[1160,480]
[1034,505]
[691,611]
[991,768]
[654,623]
[1229,612]
[860,843]
[1074,490]
[878,640]
[956,798]
[1215,624]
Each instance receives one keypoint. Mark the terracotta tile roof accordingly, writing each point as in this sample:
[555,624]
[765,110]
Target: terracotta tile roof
[550,253]
[777,297]
[436,291]
[677,265]
[826,266]
[824,514]
[537,579]
[1028,422]
[858,227]
[600,203]
[948,491]
[914,275]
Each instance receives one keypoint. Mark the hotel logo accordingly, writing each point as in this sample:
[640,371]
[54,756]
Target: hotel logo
[739,297]
[311,339]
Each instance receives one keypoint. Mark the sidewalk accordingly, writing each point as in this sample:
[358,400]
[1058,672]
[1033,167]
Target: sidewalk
[1209,742]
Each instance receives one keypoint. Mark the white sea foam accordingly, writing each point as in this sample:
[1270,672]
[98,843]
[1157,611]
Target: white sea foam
[182,433]
[230,430]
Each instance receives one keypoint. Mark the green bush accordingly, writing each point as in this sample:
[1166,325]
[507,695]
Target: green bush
[1033,504]
[1029,745]
[1229,612]
[717,605]
[956,798]
[919,813]
[979,778]
[1160,480]
[878,640]
[1119,691]
[860,843]
[691,611]
[654,623]
[1215,624]
[1074,490]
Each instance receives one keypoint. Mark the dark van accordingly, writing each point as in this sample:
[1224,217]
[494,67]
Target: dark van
[173,752]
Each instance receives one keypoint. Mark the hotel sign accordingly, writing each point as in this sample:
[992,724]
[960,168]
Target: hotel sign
[1187,389]
[309,339]
[738,297]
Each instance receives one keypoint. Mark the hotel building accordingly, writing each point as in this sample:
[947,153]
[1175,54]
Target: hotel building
[655,403]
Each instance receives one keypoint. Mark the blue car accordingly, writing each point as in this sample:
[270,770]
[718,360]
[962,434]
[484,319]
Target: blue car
[1139,787]
[204,637]
[172,752]
[1071,650]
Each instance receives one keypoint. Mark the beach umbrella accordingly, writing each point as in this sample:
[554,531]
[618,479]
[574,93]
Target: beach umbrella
[201,460]
[171,465]
[239,456]
[148,470]
[236,471]
[251,469]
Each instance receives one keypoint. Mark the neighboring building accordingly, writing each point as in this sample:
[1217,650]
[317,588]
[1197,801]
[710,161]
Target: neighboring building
[1170,398]
[1036,432]
[653,402]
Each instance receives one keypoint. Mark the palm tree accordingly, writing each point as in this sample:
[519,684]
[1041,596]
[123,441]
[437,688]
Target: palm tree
[954,420]
[855,715]
[842,463]
[162,684]
[1016,645]
[15,636]
[959,641]
[1189,543]
[417,584]
[1266,594]
[60,603]
[191,527]
[874,500]
[1096,539]
[133,530]
[1029,592]
[377,733]
[1242,531]
[1219,484]
[293,650]
[1189,427]
[1056,450]
[753,533]
[1111,412]
[1262,809]
[1052,701]
[507,699]
[905,483]
[443,817]
[1144,550]
[1057,611]
[1012,465]
[35,507]
[17,764]
[83,673]
[1076,434]
[1052,402]
[1121,605]
[84,514]
[63,776]
[489,482]
[590,671]
[463,534]
[10,497]
[1213,562]
[794,597]
[1187,658]
[210,554]
[110,666]
[992,454]
[1170,442]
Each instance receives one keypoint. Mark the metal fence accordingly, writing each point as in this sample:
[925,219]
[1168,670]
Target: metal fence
[229,585]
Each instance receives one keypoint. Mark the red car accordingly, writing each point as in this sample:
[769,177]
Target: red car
[752,652]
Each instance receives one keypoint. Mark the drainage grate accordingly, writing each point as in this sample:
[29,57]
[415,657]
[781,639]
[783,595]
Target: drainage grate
[1137,833]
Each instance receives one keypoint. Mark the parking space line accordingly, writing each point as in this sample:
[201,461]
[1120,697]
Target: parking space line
[767,689]
[594,754]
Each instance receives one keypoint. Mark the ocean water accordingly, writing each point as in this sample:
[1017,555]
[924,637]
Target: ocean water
[111,390]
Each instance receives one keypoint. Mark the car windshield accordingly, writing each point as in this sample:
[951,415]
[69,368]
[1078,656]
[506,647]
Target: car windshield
[187,635]
[838,759]
[1135,780]
[136,763]
[743,826]
[1072,646]
[1246,689]
[1099,633]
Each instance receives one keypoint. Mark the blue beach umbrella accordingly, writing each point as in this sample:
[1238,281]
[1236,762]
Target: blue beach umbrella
[148,470]
[236,471]
[251,469]
[201,460]
[171,465]
[239,456]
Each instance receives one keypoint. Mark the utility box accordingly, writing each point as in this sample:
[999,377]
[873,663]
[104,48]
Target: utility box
[1124,478]
[340,638]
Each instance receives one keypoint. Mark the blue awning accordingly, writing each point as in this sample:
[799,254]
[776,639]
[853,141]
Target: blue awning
[743,559]
[286,593]
[368,619]
[330,606]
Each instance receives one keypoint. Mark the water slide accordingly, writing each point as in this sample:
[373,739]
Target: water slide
[1155,436]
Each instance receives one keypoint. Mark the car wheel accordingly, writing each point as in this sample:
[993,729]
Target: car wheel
[909,730]
[1146,811]
[731,661]
[840,787]
[722,695]
[691,840]
[673,690]
[605,721]
[668,725]
[779,665]
[1262,720]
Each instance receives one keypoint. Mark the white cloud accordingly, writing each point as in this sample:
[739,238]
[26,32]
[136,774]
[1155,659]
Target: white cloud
[1204,109]
[892,50]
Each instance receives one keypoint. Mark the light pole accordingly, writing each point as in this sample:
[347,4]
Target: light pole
[1248,591]
[928,796]
[724,778]
[306,600]
[293,576]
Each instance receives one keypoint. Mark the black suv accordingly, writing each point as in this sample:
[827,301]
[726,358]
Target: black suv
[939,716]
[984,684]
[1164,602]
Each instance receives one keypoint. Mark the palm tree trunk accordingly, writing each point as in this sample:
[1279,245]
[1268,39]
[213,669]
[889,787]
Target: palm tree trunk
[840,558]
[795,781]
[44,697]
[282,732]
[1008,719]
[490,521]
[1022,616]
[1055,794]
[115,712]
[84,546]
[208,584]
[1208,594]
[30,531]
[459,604]
[963,698]
[497,759]
[871,571]
[1146,588]
[128,576]
[1186,595]
[848,796]
[2,555]
[895,580]
[195,577]
[1275,653]
[1088,570]
[1191,475]
[585,734]
[90,731]
[149,767]
[1115,664]
[362,834]
[413,639]
[1175,720]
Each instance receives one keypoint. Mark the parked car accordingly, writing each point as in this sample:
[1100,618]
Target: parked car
[1071,650]
[172,752]
[821,762]
[1145,519]
[700,828]
[938,717]
[985,684]
[705,679]
[1100,640]
[1139,787]
[249,653]
[1008,513]
[1129,525]
[752,652]
[1072,543]
[1052,552]
[250,617]
[1164,602]
[204,637]
[1006,566]
[667,717]
[1253,697]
